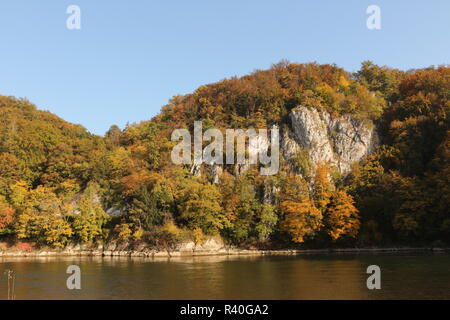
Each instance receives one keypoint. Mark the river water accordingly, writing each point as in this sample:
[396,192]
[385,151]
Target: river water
[325,276]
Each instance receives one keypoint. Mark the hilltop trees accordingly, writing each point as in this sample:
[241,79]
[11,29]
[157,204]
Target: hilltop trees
[383,80]
[397,189]
[266,96]
[45,163]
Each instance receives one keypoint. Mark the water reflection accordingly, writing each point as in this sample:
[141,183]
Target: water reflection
[337,276]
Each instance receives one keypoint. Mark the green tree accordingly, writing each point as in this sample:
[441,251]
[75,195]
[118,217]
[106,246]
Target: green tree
[199,207]
[88,217]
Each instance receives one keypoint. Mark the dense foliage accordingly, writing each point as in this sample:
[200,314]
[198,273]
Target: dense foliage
[57,181]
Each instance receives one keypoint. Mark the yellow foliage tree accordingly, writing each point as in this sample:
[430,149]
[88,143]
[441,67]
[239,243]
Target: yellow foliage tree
[342,216]
[200,207]
[42,216]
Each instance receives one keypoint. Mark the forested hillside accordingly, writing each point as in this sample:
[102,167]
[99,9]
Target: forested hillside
[57,181]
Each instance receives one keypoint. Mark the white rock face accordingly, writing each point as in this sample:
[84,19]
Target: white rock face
[341,141]
[116,212]
[289,147]
[311,132]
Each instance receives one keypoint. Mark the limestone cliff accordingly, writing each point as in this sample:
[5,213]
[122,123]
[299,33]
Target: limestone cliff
[339,140]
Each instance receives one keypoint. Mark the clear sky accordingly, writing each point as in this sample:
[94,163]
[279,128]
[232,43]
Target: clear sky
[130,57]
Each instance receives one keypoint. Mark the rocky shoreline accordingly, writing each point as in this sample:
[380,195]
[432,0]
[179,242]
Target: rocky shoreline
[211,247]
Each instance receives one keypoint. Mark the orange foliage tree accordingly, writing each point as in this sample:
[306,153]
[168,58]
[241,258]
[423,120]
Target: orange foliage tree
[301,218]
[342,216]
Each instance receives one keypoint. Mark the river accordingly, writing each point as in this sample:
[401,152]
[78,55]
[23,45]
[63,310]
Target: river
[314,276]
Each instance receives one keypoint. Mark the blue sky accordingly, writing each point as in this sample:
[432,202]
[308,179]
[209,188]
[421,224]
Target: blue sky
[131,57]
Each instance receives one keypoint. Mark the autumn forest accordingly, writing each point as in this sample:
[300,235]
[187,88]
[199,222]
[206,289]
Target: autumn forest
[61,185]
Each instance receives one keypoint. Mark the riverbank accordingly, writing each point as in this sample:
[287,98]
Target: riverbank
[165,254]
[211,247]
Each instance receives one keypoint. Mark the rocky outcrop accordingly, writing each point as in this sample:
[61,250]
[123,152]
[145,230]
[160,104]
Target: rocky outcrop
[189,249]
[338,140]
[116,212]
[210,246]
